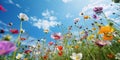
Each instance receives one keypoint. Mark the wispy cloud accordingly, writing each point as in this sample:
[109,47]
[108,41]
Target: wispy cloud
[11,2]
[66,1]
[48,21]
[68,15]
[3,24]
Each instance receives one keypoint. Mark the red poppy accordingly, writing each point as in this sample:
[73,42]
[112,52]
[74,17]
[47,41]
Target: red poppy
[27,51]
[2,8]
[60,48]
[60,53]
[51,43]
[45,57]
[56,36]
[14,31]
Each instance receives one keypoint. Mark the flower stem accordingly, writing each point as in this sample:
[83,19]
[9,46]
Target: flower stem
[17,40]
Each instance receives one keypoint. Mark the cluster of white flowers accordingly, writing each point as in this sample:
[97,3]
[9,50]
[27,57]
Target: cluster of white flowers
[76,56]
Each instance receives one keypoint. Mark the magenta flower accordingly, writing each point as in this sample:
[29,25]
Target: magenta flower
[2,8]
[14,31]
[6,47]
[56,36]
[101,43]
[98,10]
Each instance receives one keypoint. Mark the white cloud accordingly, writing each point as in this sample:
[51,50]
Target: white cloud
[52,18]
[47,22]
[49,15]
[66,1]
[34,18]
[46,13]
[11,2]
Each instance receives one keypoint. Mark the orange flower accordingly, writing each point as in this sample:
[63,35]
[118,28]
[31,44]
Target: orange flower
[105,29]
[119,41]
[110,56]
[76,47]
[22,38]
[86,17]
[106,37]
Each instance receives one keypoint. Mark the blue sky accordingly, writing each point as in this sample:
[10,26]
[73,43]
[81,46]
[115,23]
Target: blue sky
[51,12]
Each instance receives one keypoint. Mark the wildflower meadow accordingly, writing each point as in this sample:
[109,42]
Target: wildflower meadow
[60,30]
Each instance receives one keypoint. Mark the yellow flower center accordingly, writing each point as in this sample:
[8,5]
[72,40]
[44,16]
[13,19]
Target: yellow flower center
[77,58]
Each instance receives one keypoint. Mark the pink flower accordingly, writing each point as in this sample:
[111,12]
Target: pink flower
[14,31]
[98,10]
[101,43]
[51,43]
[2,8]
[56,36]
[6,47]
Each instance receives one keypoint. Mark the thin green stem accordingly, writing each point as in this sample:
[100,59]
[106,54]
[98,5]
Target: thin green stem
[17,40]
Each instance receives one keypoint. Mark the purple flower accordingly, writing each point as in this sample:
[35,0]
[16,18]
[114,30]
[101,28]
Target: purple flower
[98,10]
[85,35]
[95,16]
[6,47]
[101,43]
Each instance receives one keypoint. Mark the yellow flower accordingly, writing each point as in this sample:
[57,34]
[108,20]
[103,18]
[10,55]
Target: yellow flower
[82,32]
[69,47]
[69,35]
[46,31]
[106,29]
[7,37]
[25,58]
[93,28]
[91,37]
